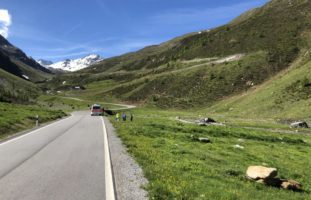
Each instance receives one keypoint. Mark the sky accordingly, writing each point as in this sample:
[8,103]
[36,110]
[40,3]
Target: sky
[59,29]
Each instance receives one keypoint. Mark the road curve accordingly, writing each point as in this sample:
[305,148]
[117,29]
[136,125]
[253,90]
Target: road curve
[64,160]
[125,106]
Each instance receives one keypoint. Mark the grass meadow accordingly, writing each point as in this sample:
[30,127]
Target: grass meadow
[179,167]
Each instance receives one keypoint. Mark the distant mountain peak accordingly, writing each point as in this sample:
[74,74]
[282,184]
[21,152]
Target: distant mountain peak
[73,65]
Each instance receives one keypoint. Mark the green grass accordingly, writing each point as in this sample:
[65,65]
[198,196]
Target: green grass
[286,96]
[179,167]
[14,118]
[94,91]
[15,89]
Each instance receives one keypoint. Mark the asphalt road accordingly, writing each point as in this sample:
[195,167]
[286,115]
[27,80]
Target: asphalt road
[62,161]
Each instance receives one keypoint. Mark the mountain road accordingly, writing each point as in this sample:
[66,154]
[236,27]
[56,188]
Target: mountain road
[64,160]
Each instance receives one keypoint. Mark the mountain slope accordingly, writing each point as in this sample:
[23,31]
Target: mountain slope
[18,73]
[275,28]
[288,95]
[16,90]
[7,65]
[15,61]
[187,71]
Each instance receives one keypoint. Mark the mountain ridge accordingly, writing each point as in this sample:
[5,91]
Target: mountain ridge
[72,65]
[16,62]
[18,74]
[17,55]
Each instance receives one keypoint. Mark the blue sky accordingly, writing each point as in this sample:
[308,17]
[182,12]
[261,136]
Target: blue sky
[60,29]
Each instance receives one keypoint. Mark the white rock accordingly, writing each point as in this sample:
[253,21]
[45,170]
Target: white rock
[238,146]
[260,172]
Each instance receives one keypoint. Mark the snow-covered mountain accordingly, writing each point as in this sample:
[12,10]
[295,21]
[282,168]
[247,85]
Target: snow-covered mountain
[75,65]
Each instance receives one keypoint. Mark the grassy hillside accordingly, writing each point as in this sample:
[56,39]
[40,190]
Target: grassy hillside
[275,28]
[15,61]
[181,72]
[18,74]
[14,118]
[16,90]
[288,95]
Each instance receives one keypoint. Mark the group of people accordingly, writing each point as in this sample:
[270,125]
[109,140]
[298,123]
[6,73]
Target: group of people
[124,117]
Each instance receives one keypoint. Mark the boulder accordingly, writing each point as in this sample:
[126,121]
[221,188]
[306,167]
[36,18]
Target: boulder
[207,120]
[268,177]
[301,124]
[275,182]
[281,183]
[260,172]
[291,185]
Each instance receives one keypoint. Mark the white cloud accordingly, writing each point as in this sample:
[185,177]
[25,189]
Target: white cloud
[5,22]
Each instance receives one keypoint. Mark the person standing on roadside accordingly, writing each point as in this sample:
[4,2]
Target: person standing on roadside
[132,117]
[124,117]
[117,117]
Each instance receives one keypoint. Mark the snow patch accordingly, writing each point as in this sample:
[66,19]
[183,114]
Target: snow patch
[77,64]
[25,77]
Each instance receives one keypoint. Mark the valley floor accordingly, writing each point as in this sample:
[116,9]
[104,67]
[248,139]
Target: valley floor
[176,164]
[179,167]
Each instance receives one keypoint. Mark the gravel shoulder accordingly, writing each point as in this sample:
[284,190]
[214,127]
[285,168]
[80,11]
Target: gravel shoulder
[128,176]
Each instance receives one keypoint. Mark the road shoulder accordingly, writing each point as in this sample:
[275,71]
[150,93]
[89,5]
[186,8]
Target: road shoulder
[128,175]
[30,130]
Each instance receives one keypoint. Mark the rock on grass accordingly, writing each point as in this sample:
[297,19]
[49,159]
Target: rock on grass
[260,172]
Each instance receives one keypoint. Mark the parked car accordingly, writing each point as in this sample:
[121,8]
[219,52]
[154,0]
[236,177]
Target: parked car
[96,110]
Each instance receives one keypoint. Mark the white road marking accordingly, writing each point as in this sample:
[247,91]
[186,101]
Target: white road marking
[32,132]
[110,193]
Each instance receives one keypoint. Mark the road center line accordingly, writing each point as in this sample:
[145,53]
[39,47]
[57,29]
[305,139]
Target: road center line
[110,192]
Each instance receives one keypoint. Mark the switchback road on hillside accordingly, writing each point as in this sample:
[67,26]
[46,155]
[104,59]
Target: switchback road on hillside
[124,106]
[64,160]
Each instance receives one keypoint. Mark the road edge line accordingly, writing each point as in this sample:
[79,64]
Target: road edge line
[109,184]
[33,131]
